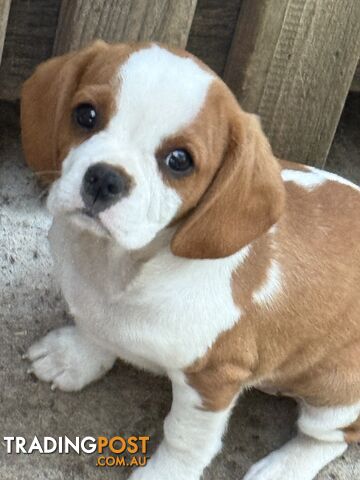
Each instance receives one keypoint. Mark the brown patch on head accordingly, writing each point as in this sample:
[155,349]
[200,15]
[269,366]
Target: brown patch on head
[235,193]
[57,86]
[206,139]
[50,95]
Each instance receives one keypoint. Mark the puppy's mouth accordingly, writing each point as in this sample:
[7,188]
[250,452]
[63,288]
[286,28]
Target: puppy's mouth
[90,221]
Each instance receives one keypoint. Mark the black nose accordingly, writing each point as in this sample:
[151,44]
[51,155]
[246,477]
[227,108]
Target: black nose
[102,186]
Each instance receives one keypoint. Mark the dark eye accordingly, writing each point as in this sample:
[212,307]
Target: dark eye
[85,115]
[179,161]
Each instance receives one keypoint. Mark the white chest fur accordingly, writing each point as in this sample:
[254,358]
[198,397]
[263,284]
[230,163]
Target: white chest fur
[159,313]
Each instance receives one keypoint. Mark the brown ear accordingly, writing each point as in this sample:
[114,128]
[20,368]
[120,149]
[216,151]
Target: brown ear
[45,99]
[245,198]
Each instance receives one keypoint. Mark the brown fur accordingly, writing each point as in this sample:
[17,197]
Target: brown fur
[54,90]
[237,180]
[352,432]
[306,343]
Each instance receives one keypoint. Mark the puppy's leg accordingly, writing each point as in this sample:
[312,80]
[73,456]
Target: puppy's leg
[319,441]
[68,359]
[192,437]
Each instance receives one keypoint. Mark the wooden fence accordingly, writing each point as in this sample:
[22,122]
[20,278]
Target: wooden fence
[291,61]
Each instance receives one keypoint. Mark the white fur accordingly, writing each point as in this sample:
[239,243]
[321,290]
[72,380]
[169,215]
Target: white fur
[159,94]
[313,178]
[68,359]
[308,180]
[323,423]
[300,459]
[137,307]
[319,441]
[272,286]
[192,437]
[332,177]
[273,230]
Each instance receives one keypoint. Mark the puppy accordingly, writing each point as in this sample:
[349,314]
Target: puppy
[183,246]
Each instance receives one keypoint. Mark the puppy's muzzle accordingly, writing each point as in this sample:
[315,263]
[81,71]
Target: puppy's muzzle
[103,185]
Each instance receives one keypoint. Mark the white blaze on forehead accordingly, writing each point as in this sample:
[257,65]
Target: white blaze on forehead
[159,94]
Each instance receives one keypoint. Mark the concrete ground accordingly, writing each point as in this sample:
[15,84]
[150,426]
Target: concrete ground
[126,401]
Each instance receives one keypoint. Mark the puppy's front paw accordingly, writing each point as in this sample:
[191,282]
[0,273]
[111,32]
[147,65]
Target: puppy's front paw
[164,467]
[300,459]
[283,465]
[68,360]
[269,468]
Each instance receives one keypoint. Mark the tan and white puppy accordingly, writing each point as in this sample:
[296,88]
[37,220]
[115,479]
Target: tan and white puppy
[184,247]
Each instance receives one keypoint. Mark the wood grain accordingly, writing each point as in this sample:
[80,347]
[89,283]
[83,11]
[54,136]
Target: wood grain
[4,15]
[355,84]
[212,31]
[29,41]
[80,21]
[292,62]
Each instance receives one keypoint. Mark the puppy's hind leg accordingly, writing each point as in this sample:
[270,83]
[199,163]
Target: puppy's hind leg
[319,441]
[68,359]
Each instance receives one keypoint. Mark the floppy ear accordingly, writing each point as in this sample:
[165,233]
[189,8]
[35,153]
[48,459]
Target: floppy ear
[246,197]
[45,100]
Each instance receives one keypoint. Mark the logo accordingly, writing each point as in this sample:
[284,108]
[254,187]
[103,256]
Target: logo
[117,451]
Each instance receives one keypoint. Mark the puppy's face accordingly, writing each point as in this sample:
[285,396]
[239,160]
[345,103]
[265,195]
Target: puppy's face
[145,136]
[134,158]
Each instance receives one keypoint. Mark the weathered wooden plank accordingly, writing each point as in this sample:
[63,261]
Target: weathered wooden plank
[355,84]
[32,26]
[32,31]
[212,31]
[123,20]
[292,62]
[4,15]
[29,40]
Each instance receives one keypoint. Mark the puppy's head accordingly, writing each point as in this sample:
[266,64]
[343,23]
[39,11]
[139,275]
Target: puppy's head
[144,137]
